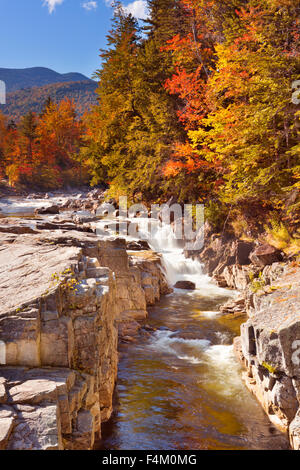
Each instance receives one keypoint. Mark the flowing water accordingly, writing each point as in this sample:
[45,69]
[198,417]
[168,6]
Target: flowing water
[17,207]
[179,387]
[179,384]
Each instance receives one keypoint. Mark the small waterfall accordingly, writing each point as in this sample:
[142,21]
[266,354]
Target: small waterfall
[176,265]
[162,240]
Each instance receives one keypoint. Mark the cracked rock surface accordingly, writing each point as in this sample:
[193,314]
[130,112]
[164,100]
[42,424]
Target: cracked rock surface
[65,299]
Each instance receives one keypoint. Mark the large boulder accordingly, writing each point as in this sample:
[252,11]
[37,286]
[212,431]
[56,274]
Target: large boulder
[47,210]
[188,285]
[139,245]
[17,229]
[264,255]
[269,349]
[241,251]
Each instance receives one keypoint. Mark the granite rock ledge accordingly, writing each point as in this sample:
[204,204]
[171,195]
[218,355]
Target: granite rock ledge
[269,349]
[65,299]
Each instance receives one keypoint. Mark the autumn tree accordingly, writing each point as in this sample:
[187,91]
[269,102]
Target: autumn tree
[251,125]
[60,136]
[234,73]
[193,58]
[44,151]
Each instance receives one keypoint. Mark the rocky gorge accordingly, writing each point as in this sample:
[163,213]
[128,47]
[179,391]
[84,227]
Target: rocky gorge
[268,347]
[69,297]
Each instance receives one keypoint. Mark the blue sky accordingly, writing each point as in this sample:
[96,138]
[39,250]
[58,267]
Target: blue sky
[64,35]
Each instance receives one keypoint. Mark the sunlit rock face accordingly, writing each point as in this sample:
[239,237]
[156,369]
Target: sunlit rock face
[64,300]
[269,347]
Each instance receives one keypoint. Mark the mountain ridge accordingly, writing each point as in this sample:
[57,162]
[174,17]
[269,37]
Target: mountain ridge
[18,79]
[20,102]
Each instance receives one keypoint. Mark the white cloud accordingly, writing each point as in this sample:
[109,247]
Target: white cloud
[90,5]
[51,4]
[138,9]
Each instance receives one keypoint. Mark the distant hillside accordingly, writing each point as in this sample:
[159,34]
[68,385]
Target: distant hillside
[16,79]
[21,102]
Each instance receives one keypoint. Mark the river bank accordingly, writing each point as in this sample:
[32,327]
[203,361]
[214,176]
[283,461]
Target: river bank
[268,345]
[60,315]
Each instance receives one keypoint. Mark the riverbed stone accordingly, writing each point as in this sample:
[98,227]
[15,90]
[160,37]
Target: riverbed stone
[6,427]
[33,391]
[185,285]
[37,429]
[52,209]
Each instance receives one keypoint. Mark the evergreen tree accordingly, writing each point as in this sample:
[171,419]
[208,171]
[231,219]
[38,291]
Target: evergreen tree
[135,124]
[47,105]
[109,123]
[28,130]
[166,19]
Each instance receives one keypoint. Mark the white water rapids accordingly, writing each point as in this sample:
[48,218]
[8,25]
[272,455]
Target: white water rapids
[177,267]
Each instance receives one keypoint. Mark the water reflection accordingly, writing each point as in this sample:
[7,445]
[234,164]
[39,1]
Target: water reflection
[180,388]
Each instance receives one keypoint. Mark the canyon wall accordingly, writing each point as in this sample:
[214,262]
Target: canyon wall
[269,349]
[64,300]
[269,345]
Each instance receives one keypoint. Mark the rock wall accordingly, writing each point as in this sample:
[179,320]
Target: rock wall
[64,297]
[269,345]
[269,348]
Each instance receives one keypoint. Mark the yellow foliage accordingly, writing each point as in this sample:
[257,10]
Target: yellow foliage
[279,236]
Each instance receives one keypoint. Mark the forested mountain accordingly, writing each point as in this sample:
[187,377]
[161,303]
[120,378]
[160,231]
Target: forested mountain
[16,79]
[19,103]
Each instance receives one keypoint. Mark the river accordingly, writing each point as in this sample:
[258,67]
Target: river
[179,387]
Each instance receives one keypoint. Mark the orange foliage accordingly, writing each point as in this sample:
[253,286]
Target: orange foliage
[44,151]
